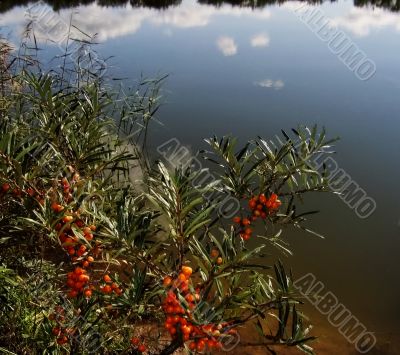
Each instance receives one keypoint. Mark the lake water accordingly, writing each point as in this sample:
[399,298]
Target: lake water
[250,69]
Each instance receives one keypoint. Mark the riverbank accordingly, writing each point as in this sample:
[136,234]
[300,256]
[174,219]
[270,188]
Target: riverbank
[329,342]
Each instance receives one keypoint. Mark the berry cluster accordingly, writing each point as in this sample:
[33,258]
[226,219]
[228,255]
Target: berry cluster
[60,330]
[78,282]
[17,192]
[263,206]
[245,230]
[77,239]
[260,207]
[178,319]
[74,246]
[109,286]
[77,249]
[135,341]
[215,255]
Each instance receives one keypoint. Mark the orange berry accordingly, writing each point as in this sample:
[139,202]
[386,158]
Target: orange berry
[252,204]
[68,240]
[107,289]
[135,341]
[90,259]
[219,261]
[187,271]
[142,348]
[83,278]
[172,330]
[248,231]
[237,219]
[79,285]
[189,298]
[277,204]
[214,253]
[201,345]
[182,277]
[68,219]
[186,330]
[192,345]
[59,309]
[107,278]
[88,293]
[62,340]
[17,192]
[70,283]
[167,281]
[5,187]
[179,310]
[246,222]
[79,271]
[56,331]
[72,294]
[93,227]
[85,263]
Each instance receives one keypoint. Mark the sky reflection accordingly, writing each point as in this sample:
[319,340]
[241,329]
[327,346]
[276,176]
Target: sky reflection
[251,72]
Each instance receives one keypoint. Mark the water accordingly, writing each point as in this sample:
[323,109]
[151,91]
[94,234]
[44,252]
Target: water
[249,71]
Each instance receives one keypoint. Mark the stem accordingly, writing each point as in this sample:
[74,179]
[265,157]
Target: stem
[171,348]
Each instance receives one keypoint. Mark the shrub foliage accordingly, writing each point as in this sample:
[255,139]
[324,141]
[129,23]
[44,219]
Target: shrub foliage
[104,250]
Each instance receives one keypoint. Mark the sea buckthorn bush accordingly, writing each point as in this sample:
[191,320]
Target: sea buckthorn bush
[104,250]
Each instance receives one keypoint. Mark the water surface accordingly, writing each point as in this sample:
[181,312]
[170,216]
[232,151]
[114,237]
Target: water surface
[251,68]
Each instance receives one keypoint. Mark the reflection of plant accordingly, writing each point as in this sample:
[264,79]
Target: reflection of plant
[130,267]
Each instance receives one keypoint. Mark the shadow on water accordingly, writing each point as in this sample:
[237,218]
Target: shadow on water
[162,4]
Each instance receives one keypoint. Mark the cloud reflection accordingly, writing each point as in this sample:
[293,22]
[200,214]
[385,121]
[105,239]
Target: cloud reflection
[110,23]
[362,21]
[227,46]
[260,40]
[270,84]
